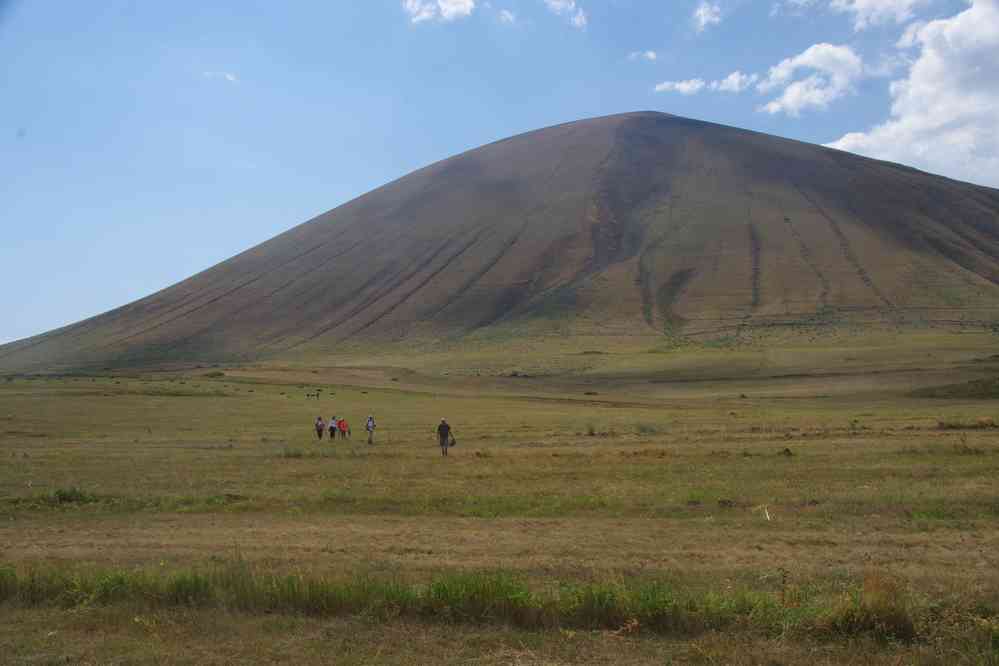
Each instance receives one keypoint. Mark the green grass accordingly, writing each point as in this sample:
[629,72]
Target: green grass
[880,607]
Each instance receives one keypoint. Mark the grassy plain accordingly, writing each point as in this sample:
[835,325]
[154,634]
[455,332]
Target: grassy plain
[784,503]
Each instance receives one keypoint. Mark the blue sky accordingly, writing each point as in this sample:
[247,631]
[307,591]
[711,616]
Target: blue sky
[141,142]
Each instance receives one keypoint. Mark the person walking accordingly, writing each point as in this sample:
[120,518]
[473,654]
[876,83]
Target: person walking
[444,436]
[370,427]
[332,427]
[344,429]
[320,427]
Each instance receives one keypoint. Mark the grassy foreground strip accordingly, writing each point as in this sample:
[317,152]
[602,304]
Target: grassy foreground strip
[879,607]
[340,502]
[329,502]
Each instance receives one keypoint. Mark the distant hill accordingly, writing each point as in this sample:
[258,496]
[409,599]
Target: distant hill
[634,224]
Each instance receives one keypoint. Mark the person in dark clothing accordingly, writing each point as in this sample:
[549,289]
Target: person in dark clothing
[444,436]
[320,427]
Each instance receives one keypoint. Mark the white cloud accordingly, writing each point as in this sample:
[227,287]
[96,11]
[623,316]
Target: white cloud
[736,82]
[831,72]
[577,16]
[866,13]
[452,9]
[419,10]
[790,6]
[943,115]
[651,56]
[908,38]
[441,10]
[508,17]
[888,65]
[688,87]
[706,14]
[810,80]
[221,76]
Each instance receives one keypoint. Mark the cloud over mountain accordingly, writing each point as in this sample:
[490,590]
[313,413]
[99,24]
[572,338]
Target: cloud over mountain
[944,112]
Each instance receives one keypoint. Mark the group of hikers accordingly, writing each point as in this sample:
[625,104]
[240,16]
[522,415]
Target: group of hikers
[339,426]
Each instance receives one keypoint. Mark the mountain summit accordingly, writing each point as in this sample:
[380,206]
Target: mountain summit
[641,223]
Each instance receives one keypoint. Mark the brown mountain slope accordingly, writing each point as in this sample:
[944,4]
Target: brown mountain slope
[644,221]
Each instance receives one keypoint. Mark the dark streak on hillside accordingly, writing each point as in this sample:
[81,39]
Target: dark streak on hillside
[433,274]
[754,261]
[809,259]
[847,248]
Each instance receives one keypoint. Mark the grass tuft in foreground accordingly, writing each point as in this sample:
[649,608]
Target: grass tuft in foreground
[880,608]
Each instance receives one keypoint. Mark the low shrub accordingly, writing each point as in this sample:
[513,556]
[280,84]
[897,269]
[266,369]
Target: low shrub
[74,495]
[880,608]
[109,587]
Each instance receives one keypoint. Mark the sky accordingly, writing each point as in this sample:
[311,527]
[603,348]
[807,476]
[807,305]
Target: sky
[142,142]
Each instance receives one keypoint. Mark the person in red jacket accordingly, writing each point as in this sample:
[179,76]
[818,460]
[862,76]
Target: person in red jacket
[344,429]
